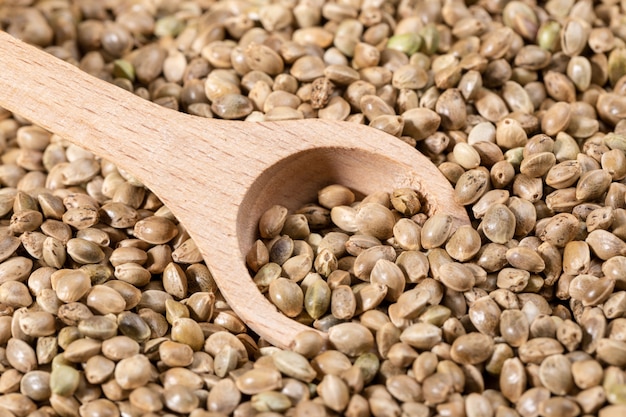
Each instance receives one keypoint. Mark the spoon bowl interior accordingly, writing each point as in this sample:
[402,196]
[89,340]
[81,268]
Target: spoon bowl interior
[295,180]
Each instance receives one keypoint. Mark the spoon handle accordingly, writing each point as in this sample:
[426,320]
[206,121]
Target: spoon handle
[94,114]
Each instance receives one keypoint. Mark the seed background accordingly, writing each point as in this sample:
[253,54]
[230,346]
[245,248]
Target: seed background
[107,308]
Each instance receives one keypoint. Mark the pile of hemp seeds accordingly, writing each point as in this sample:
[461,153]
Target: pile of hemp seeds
[107,309]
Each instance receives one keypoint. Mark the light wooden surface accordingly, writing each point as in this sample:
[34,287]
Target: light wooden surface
[216,176]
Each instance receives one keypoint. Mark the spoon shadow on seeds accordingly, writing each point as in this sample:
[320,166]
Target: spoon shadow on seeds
[216,176]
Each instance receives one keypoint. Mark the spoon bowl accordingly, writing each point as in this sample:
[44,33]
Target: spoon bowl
[216,176]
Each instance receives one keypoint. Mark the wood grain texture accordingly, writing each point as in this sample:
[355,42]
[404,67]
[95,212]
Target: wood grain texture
[216,176]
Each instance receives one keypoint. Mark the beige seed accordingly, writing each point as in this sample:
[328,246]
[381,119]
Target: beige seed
[512,379]
[70,285]
[613,268]
[535,350]
[514,327]
[592,184]
[335,195]
[175,280]
[224,397]
[502,173]
[576,258]
[189,332]
[472,348]
[537,165]
[119,347]
[297,267]
[463,244]
[414,265]
[17,268]
[325,263]
[155,229]
[353,339]
[587,373]
[451,107]
[187,253]
[334,393]
[484,314]
[493,108]
[131,295]
[307,343]
[294,365]
[105,300]
[591,290]
[225,361]
[8,245]
[525,215]
[118,215]
[456,276]
[605,244]
[97,327]
[307,68]
[98,369]
[390,275]
[373,107]
[499,224]
[296,226]
[390,124]
[20,355]
[560,229]
[559,407]
[175,354]
[175,310]
[266,275]
[556,119]
[287,296]
[258,380]
[180,399]
[525,258]
[263,58]
[343,302]
[471,185]
[133,274]
[436,231]
[574,36]
[25,221]
[614,162]
[81,218]
[466,156]
[512,279]
[33,243]
[366,260]
[133,372]
[128,254]
[37,324]
[419,123]
[35,385]
[375,220]
[555,374]
[421,336]
[335,242]
[257,256]
[100,406]
[406,201]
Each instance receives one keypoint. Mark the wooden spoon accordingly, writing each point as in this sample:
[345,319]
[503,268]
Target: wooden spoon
[216,176]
